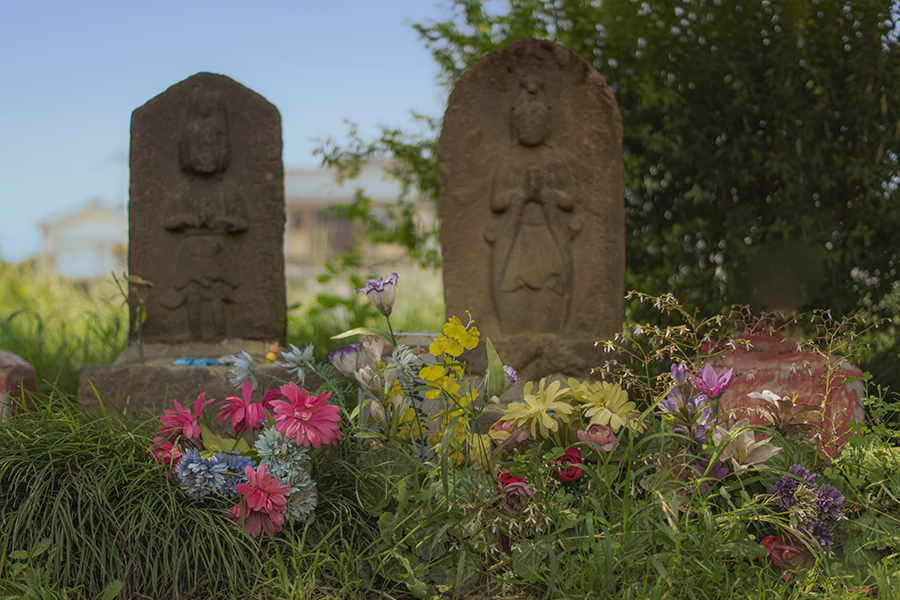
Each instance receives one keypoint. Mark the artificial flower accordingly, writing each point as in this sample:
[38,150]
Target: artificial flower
[598,434]
[541,409]
[243,412]
[788,554]
[310,420]
[381,293]
[568,471]
[455,338]
[480,452]
[165,452]
[743,450]
[679,374]
[515,490]
[786,414]
[402,361]
[713,383]
[811,508]
[199,476]
[264,499]
[298,362]
[349,359]
[183,422]
[244,369]
[609,405]
[506,432]
[510,376]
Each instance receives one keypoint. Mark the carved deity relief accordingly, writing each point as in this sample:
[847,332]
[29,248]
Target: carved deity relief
[532,208]
[206,212]
[534,222]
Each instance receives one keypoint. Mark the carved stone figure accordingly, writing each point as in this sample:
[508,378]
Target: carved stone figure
[532,207]
[207,213]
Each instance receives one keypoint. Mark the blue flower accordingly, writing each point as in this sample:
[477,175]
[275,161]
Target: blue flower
[200,476]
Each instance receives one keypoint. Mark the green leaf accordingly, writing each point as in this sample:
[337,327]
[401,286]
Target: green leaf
[19,555]
[496,379]
[214,443]
[363,331]
[112,590]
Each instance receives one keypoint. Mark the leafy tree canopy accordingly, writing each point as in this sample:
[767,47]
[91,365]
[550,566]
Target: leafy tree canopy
[761,141]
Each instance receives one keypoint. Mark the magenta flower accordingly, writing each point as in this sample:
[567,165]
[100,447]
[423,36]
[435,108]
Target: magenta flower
[244,413]
[165,452]
[599,434]
[712,383]
[381,293]
[310,420]
[181,421]
[263,502]
[516,491]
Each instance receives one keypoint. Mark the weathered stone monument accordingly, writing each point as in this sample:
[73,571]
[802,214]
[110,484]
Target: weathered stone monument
[532,208]
[206,230]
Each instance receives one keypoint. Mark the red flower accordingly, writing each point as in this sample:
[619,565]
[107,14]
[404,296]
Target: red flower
[165,452]
[183,422]
[310,420]
[788,554]
[264,501]
[244,413]
[515,490]
[571,457]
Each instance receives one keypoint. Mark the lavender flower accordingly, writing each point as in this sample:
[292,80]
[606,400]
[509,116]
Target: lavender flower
[812,509]
[381,293]
[200,476]
[679,374]
[510,375]
[711,382]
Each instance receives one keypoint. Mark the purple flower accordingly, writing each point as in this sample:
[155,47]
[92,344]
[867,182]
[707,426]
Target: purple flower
[830,503]
[679,373]
[381,293]
[710,474]
[510,375]
[827,508]
[712,383]
[349,359]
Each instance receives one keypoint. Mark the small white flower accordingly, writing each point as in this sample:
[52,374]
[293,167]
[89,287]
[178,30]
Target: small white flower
[297,361]
[244,369]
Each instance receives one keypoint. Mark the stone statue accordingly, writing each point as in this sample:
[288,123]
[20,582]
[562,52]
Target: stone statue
[206,215]
[532,207]
[206,209]
[533,226]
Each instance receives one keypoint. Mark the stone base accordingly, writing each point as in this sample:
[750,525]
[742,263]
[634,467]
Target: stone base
[144,391]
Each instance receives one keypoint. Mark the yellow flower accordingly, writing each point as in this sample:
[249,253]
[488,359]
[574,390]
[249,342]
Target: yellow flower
[432,372]
[540,408]
[609,405]
[480,452]
[455,339]
[410,426]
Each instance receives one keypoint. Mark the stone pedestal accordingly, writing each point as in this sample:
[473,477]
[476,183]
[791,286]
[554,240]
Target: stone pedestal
[144,391]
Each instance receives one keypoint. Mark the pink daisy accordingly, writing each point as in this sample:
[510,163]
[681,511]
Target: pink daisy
[183,422]
[310,420]
[263,502]
[165,452]
[244,413]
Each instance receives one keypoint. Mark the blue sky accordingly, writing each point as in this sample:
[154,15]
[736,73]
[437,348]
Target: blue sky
[72,73]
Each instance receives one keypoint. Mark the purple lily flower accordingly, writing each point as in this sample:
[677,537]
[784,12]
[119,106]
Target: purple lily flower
[510,375]
[380,293]
[712,383]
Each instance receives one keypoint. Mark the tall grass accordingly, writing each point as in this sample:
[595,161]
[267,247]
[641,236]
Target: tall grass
[111,514]
[59,327]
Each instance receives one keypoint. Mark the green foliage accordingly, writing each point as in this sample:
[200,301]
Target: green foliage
[110,513]
[57,327]
[761,139]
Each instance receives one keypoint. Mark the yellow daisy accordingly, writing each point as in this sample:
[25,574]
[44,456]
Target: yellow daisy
[540,408]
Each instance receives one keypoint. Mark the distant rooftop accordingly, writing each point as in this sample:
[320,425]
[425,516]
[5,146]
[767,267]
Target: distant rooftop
[319,186]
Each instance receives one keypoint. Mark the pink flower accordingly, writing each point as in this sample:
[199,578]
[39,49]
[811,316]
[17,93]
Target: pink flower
[788,554]
[599,434]
[712,383]
[183,422]
[568,471]
[310,420]
[263,502]
[515,490]
[507,432]
[165,452]
[244,414]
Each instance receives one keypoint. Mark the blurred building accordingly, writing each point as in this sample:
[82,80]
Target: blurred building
[87,243]
[314,235]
